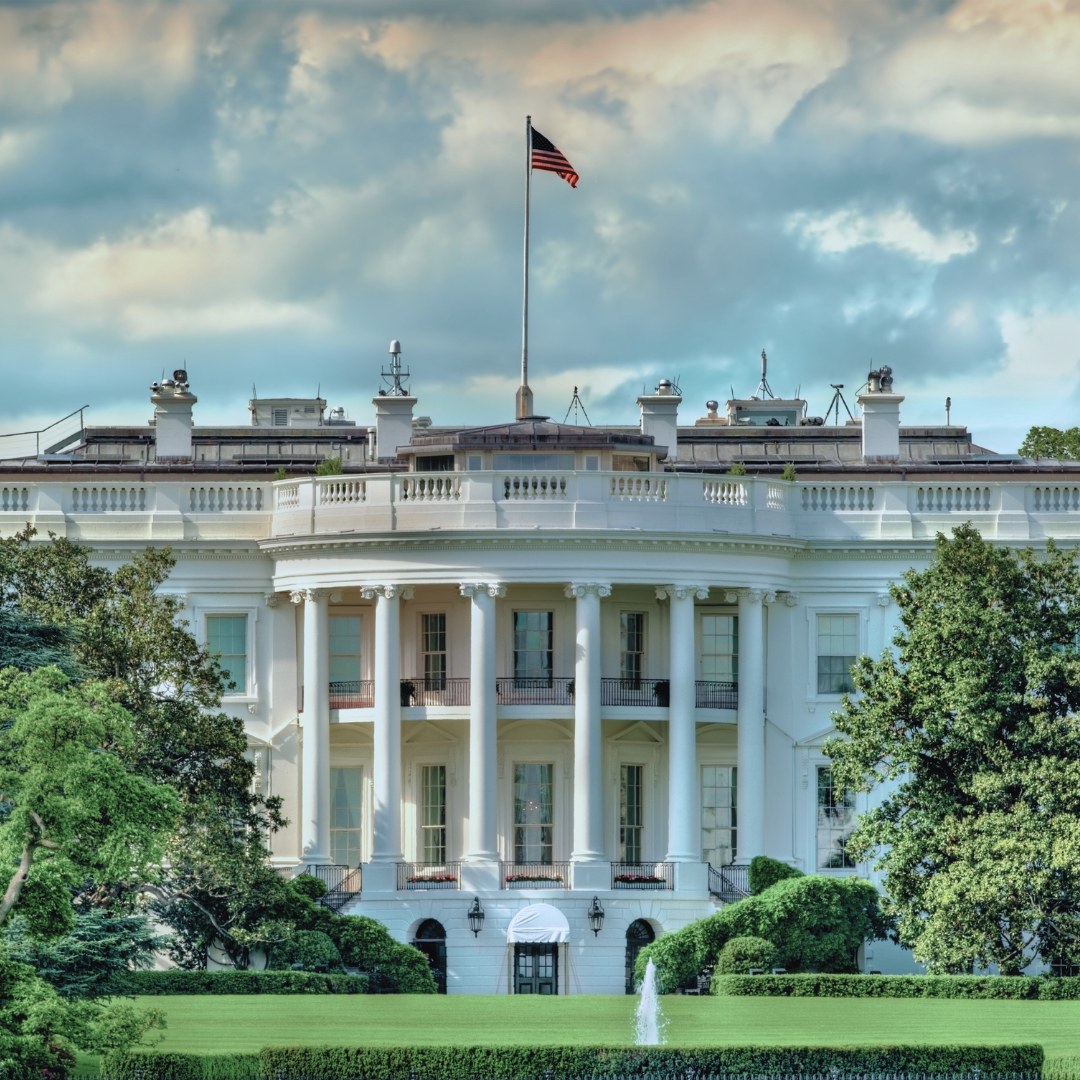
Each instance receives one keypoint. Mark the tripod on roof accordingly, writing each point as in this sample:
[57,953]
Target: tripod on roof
[837,401]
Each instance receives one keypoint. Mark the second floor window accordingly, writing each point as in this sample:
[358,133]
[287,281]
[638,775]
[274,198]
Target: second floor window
[533,648]
[433,813]
[433,641]
[837,647]
[344,635]
[719,645]
[835,822]
[631,813]
[631,646]
[226,635]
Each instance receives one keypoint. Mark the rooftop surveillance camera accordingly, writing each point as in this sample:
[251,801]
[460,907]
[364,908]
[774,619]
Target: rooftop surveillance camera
[180,375]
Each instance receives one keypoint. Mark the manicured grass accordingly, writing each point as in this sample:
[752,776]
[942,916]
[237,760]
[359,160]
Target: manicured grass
[236,1024]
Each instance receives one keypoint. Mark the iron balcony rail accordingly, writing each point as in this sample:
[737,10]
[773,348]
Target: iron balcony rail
[352,694]
[716,695]
[343,883]
[428,875]
[535,691]
[438,691]
[729,883]
[533,875]
[643,693]
[638,875]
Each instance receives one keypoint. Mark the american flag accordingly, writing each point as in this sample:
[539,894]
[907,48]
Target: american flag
[549,158]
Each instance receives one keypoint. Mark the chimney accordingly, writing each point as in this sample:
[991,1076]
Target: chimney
[880,417]
[172,401]
[660,417]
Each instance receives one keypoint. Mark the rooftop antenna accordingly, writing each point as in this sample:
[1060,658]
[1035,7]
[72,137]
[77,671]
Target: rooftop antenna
[396,374]
[948,410]
[837,401]
[575,404]
[764,390]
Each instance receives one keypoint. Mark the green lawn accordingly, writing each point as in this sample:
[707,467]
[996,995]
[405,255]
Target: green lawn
[229,1024]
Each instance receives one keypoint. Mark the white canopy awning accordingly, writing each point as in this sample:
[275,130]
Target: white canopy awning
[538,923]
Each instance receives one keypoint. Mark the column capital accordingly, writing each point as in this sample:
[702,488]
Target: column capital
[271,599]
[790,599]
[682,592]
[586,589]
[308,596]
[884,599]
[389,591]
[494,589]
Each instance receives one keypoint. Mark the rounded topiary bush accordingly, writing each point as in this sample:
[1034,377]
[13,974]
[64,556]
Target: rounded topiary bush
[764,872]
[309,949]
[308,885]
[741,954]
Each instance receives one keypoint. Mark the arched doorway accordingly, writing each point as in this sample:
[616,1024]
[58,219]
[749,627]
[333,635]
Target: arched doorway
[638,934]
[430,939]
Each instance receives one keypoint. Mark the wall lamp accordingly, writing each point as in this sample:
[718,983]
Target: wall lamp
[476,916]
[596,916]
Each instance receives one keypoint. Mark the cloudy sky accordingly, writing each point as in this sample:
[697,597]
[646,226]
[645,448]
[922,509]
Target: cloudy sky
[266,194]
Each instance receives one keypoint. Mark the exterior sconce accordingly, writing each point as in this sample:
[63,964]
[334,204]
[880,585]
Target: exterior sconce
[476,916]
[596,916]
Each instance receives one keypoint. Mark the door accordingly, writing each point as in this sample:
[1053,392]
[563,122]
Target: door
[431,941]
[638,934]
[536,969]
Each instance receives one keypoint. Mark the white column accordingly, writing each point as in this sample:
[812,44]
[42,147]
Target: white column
[386,781]
[751,725]
[684,798]
[315,725]
[483,747]
[588,736]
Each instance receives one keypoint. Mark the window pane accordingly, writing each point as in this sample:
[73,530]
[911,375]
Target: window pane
[631,646]
[533,645]
[719,648]
[631,813]
[837,647]
[433,644]
[344,637]
[533,813]
[835,823]
[345,816]
[226,635]
[433,813]
[719,814]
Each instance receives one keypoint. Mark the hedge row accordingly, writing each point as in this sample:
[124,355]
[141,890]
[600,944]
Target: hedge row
[182,981]
[570,1062]
[1014,988]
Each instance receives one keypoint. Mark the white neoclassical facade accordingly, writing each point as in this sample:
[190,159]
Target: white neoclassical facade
[508,678]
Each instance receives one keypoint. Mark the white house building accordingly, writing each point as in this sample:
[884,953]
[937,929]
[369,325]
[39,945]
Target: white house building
[509,678]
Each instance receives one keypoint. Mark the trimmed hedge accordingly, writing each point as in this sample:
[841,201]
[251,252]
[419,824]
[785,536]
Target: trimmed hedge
[182,981]
[985,987]
[570,1062]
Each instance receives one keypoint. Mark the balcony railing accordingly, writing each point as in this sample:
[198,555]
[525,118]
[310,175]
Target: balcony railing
[427,875]
[729,883]
[352,694]
[650,875]
[420,691]
[716,695]
[554,875]
[343,883]
[535,691]
[642,693]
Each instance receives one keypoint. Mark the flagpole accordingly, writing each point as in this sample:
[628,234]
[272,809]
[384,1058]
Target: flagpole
[524,401]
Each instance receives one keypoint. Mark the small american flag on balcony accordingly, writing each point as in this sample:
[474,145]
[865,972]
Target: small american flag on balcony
[549,158]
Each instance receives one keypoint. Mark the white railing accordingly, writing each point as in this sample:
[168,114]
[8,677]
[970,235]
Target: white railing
[498,502]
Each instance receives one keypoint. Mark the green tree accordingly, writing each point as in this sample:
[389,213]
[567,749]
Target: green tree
[969,730]
[1050,442]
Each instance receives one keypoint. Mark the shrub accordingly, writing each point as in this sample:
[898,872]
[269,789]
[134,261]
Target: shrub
[978,987]
[136,1065]
[737,469]
[763,873]
[184,981]
[309,950]
[789,472]
[742,953]
[309,886]
[367,945]
[330,466]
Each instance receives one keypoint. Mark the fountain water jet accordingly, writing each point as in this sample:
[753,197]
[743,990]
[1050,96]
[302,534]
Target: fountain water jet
[648,1020]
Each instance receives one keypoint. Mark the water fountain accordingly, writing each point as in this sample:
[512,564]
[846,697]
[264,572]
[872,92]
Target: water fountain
[648,1020]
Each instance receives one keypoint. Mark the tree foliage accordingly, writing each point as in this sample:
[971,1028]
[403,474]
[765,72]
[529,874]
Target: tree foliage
[1050,442]
[970,733]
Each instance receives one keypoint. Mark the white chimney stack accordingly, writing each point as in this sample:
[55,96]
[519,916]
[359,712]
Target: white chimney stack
[173,402]
[660,417]
[880,417]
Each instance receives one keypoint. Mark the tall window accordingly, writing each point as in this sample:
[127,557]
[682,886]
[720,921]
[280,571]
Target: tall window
[344,645]
[433,813]
[835,822]
[532,813]
[533,647]
[226,635]
[433,643]
[631,646]
[837,647]
[631,813]
[719,816]
[719,647]
[345,816]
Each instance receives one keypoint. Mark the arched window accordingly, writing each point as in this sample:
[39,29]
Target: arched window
[638,934]
[430,939]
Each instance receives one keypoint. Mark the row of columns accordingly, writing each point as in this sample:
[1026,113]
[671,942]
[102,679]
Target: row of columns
[683,843]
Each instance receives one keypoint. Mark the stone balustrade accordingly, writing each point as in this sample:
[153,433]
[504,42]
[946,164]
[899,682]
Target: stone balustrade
[845,509]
